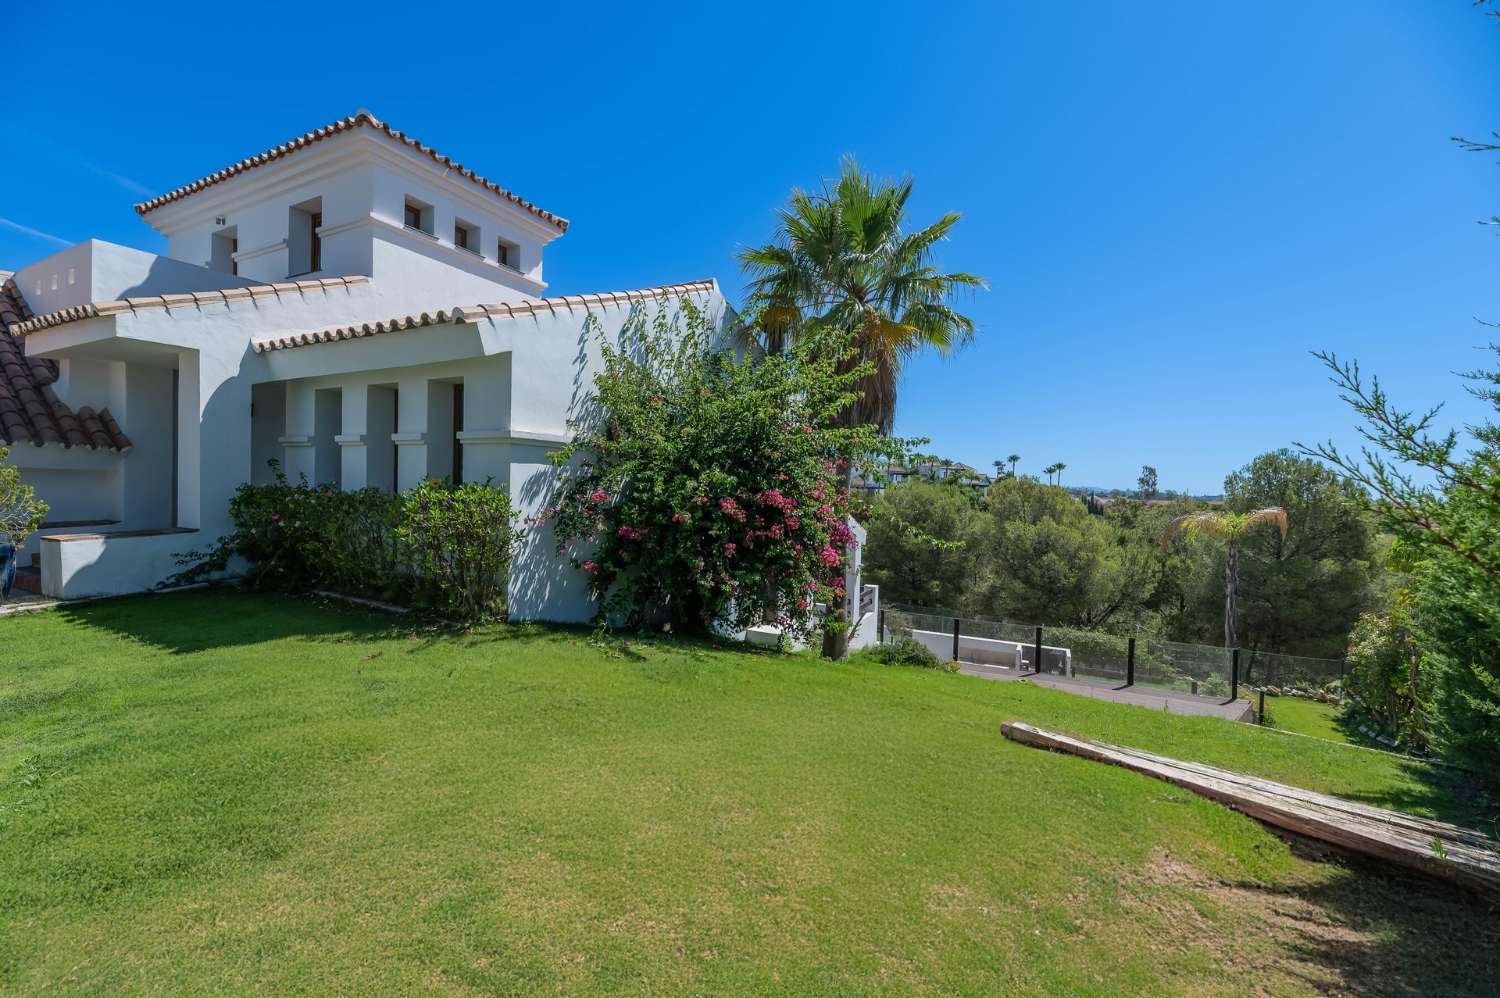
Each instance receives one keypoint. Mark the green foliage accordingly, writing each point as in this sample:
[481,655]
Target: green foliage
[925,543]
[701,490]
[440,546]
[1049,561]
[1148,483]
[907,651]
[1448,534]
[843,262]
[1383,672]
[1301,594]
[21,512]
[455,544]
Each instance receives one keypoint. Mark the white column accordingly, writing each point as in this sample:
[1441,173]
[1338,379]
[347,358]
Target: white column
[411,434]
[353,455]
[297,441]
[189,440]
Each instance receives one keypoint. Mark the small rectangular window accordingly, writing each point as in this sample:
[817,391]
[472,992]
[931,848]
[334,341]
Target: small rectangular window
[303,244]
[418,216]
[466,236]
[509,255]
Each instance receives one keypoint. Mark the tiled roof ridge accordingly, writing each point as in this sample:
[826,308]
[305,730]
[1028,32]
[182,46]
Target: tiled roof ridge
[98,308]
[30,410]
[359,119]
[464,313]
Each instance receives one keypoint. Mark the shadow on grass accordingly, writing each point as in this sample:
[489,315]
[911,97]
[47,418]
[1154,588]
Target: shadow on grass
[1374,929]
[224,616]
[1451,795]
[203,619]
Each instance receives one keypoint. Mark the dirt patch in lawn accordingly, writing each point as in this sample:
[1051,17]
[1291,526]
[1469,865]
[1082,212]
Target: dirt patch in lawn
[1346,927]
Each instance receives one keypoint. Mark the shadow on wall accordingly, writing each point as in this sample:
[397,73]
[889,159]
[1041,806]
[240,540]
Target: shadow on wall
[544,585]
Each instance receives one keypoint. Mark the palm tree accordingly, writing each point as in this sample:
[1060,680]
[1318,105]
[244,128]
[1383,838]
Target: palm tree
[1051,470]
[843,261]
[1013,458]
[1059,467]
[1231,528]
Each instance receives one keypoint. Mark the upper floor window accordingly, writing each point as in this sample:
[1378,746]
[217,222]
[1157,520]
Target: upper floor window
[304,245]
[225,245]
[466,236]
[418,216]
[509,255]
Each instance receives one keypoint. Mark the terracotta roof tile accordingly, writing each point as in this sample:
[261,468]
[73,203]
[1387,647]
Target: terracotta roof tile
[98,308]
[467,313]
[361,119]
[30,411]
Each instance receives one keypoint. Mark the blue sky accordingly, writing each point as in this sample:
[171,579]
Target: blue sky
[1174,202]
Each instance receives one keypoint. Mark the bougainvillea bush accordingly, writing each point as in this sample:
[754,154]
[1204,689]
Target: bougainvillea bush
[703,489]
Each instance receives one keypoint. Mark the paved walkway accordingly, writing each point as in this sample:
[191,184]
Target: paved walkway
[1171,701]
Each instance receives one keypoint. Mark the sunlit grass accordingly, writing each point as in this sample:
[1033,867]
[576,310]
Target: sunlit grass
[214,792]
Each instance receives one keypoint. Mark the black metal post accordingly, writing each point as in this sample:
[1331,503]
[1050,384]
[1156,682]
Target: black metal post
[1038,662]
[1262,717]
[1130,663]
[880,627]
[955,639]
[1234,675]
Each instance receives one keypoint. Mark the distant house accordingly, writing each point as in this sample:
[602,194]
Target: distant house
[928,469]
[351,304]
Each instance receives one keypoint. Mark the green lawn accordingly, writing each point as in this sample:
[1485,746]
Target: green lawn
[1305,717]
[212,792]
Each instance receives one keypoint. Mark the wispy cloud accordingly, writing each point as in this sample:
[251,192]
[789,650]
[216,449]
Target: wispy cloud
[34,233]
[130,185]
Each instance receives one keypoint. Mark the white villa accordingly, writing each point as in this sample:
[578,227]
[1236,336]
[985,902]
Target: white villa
[352,304]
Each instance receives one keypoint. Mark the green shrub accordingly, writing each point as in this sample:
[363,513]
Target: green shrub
[907,651]
[21,511]
[456,542]
[442,547]
[1383,673]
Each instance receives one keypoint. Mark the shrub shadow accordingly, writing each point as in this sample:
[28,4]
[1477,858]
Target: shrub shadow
[1374,929]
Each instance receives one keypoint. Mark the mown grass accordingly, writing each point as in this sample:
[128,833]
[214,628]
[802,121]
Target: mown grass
[216,792]
[1305,717]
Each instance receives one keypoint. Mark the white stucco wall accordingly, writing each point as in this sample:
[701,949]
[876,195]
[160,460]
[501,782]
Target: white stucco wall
[100,271]
[360,181]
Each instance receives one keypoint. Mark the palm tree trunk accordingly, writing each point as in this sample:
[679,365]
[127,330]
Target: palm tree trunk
[1231,584]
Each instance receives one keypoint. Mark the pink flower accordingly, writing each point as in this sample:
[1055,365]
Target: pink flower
[589,566]
[829,555]
[807,429]
[599,496]
[729,550]
[631,533]
[792,522]
[679,517]
[275,517]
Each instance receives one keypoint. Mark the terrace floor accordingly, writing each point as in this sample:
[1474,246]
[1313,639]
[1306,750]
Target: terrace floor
[1171,701]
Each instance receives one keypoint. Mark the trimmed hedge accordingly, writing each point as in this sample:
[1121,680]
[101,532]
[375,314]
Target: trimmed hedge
[442,547]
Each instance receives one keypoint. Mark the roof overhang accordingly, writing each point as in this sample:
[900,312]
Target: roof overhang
[362,122]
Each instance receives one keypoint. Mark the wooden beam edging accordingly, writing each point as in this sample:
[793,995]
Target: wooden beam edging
[1455,854]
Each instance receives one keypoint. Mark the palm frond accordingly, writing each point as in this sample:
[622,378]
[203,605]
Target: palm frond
[1271,514]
